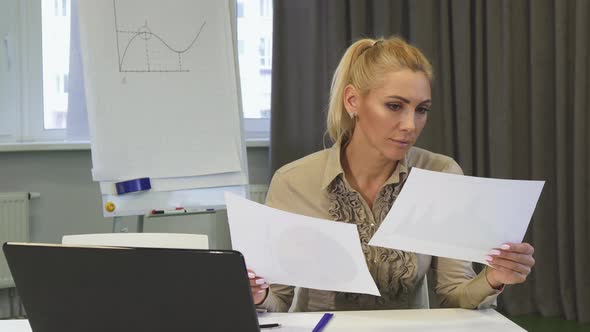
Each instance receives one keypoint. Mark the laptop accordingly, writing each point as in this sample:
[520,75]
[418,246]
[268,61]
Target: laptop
[76,288]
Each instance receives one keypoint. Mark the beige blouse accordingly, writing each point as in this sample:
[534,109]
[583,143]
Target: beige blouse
[315,186]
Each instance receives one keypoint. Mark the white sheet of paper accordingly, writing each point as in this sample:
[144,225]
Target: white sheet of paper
[456,216]
[161,88]
[291,249]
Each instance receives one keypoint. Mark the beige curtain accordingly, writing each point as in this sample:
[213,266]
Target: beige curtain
[511,100]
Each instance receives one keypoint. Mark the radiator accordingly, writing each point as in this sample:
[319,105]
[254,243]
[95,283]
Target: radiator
[258,192]
[14,227]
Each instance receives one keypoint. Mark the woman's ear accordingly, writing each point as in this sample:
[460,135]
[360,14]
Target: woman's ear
[351,100]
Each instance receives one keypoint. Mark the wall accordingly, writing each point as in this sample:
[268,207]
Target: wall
[70,202]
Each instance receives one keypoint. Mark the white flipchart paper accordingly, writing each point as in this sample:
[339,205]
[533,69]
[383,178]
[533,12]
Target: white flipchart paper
[161,88]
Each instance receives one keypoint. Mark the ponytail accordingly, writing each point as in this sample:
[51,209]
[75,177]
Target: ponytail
[339,124]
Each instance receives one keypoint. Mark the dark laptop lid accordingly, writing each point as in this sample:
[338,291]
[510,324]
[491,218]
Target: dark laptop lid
[67,288]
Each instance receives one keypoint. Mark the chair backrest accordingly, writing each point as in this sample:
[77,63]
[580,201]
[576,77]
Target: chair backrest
[422,293]
[141,240]
[420,301]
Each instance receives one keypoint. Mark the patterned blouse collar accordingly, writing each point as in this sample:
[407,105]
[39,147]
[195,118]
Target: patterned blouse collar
[334,167]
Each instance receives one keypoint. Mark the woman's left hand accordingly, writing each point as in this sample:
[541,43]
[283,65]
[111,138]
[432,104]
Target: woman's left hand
[511,264]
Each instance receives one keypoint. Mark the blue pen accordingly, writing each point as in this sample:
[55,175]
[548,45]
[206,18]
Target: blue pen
[323,322]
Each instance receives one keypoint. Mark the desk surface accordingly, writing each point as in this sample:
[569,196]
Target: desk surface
[369,321]
[396,320]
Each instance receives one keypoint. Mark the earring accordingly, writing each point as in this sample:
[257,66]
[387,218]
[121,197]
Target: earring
[352,115]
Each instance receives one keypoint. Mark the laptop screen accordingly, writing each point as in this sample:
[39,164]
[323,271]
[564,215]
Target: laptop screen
[75,288]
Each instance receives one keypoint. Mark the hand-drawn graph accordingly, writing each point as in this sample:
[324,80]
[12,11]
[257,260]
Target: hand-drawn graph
[140,49]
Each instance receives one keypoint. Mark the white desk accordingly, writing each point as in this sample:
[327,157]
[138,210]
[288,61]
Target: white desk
[369,321]
[438,320]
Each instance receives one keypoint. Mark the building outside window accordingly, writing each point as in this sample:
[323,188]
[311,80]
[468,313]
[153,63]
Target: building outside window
[56,62]
[265,8]
[255,29]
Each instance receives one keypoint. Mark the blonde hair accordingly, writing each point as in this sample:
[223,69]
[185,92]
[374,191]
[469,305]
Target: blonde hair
[363,65]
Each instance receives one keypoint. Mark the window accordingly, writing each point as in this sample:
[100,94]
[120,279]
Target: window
[241,47]
[60,7]
[265,8]
[45,46]
[66,83]
[265,53]
[240,9]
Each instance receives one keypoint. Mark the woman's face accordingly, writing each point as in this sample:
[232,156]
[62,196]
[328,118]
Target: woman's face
[391,116]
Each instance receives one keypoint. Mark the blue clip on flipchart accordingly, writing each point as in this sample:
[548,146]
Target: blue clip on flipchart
[131,186]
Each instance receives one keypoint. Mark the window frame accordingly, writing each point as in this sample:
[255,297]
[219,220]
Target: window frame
[31,113]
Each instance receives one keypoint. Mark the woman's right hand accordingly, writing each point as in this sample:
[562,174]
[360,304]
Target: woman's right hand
[258,286]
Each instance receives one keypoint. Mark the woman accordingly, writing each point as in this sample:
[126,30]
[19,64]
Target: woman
[379,103]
